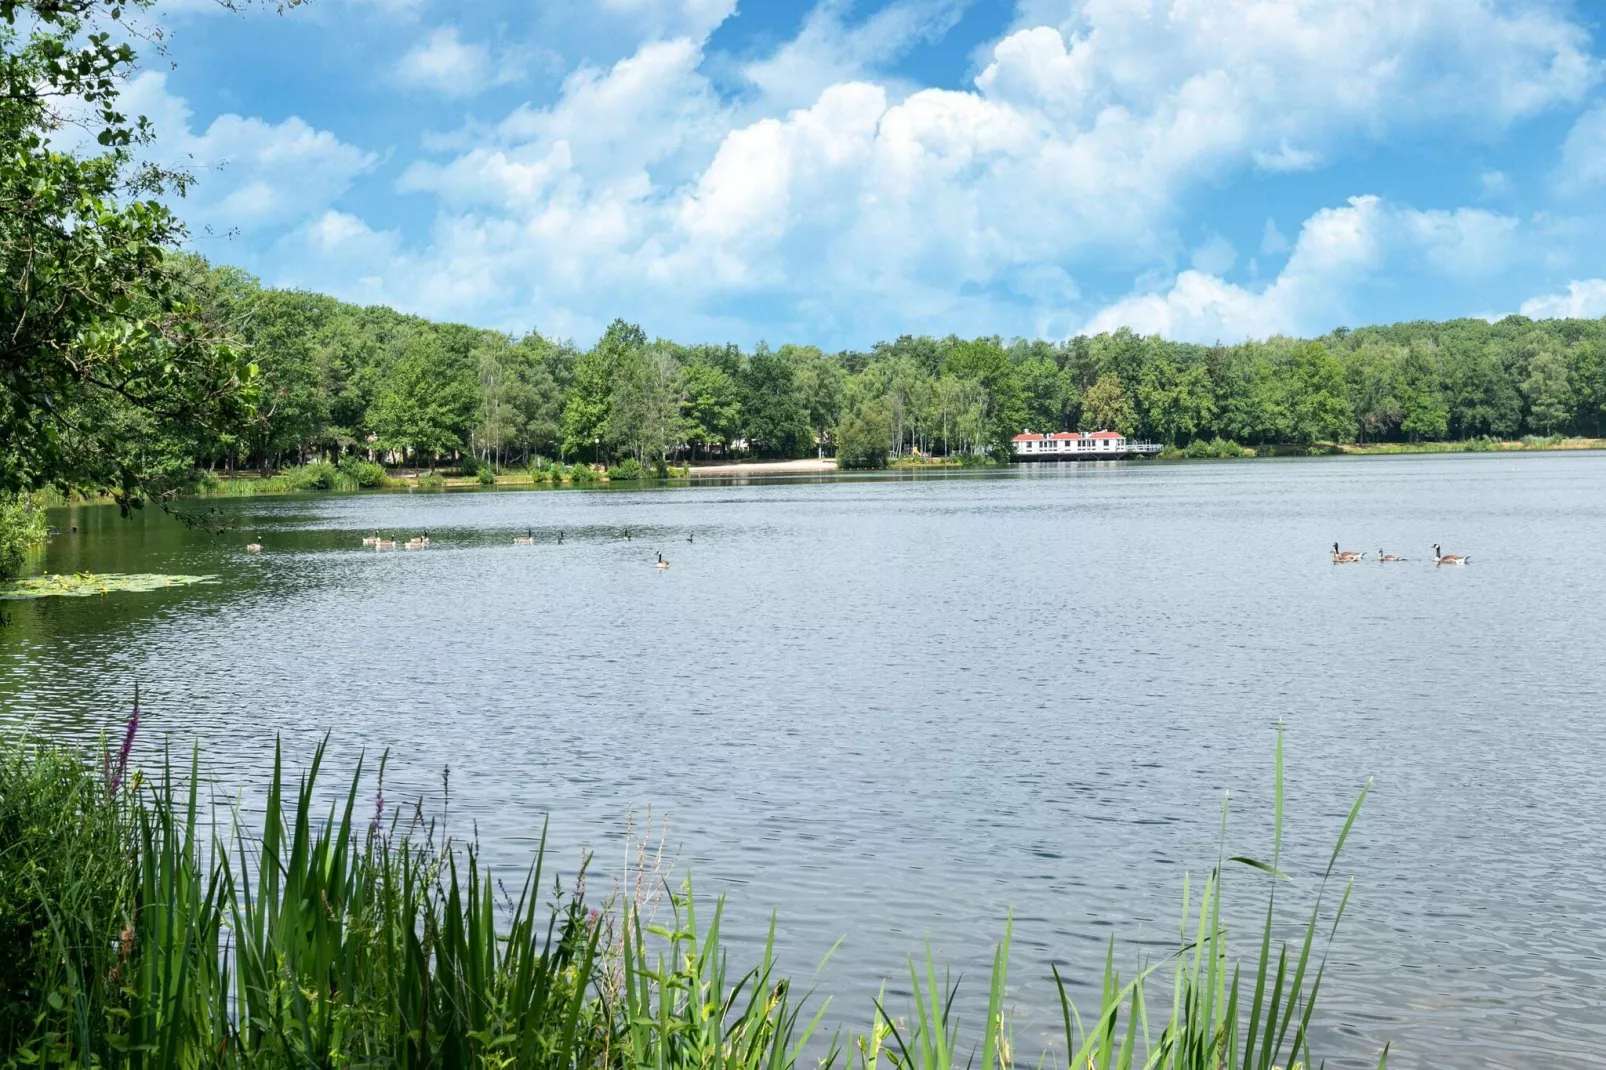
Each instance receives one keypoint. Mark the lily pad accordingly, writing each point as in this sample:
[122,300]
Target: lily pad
[85,584]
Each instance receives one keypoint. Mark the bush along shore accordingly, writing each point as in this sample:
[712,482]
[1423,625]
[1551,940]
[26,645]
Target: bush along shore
[131,937]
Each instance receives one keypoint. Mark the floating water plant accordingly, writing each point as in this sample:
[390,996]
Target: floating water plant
[85,584]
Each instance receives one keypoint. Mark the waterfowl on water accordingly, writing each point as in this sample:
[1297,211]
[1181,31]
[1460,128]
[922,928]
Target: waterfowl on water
[385,544]
[1448,559]
[372,540]
[662,563]
[627,534]
[688,536]
[560,536]
[413,544]
[526,539]
[1381,556]
[424,538]
[253,547]
[1345,557]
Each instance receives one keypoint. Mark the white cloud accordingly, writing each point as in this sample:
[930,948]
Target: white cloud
[1583,154]
[250,173]
[1585,299]
[966,209]
[829,52]
[443,63]
[1285,158]
[656,19]
[1338,252]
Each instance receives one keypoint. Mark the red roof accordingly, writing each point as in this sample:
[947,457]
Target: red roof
[1106,434]
[1065,434]
[1027,438]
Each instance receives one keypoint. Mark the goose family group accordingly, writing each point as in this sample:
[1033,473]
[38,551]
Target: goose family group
[1351,557]
[376,541]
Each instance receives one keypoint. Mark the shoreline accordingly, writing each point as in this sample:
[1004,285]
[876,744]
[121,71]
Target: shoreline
[817,466]
[803,466]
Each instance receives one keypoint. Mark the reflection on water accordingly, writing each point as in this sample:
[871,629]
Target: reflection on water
[896,709]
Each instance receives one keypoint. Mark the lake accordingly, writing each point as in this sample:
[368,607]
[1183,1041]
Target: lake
[896,709]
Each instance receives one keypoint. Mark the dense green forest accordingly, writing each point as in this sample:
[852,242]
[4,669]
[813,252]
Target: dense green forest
[335,379]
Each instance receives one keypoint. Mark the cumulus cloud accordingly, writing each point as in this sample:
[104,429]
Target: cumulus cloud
[1076,144]
[1338,250]
[250,174]
[1584,299]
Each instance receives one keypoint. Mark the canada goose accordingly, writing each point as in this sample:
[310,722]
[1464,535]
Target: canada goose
[560,536]
[372,540]
[1381,557]
[413,544]
[662,564]
[424,538]
[526,539]
[688,536]
[1345,557]
[1448,559]
[253,547]
[627,534]
[385,544]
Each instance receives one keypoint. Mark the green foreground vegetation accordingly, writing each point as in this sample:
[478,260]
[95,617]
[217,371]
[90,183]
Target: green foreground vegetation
[131,937]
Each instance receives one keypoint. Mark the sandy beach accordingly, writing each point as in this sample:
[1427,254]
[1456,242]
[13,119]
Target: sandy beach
[807,466]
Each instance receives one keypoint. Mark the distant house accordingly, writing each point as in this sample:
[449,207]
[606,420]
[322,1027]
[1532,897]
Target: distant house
[1070,445]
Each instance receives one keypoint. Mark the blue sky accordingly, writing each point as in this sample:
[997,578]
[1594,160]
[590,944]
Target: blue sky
[840,171]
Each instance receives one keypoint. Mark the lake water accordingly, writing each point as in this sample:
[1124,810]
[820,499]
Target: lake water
[893,710]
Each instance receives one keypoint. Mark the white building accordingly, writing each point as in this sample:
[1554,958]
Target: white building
[1072,444]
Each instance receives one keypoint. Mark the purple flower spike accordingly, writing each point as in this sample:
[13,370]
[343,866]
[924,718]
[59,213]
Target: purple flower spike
[128,745]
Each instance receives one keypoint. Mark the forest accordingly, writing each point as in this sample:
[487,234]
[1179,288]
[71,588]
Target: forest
[335,379]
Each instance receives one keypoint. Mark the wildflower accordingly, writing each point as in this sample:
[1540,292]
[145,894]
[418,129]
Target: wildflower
[115,779]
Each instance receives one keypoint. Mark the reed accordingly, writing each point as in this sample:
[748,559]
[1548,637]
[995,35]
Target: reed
[155,935]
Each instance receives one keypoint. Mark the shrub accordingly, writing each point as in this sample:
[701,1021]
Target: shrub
[207,481]
[660,469]
[366,473]
[629,468]
[1172,453]
[431,481]
[62,853]
[22,526]
[486,478]
[579,473]
[469,465]
[319,475]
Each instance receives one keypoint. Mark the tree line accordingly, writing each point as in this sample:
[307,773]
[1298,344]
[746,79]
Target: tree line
[334,378]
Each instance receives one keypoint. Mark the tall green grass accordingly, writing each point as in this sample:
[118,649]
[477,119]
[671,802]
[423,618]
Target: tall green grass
[146,931]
